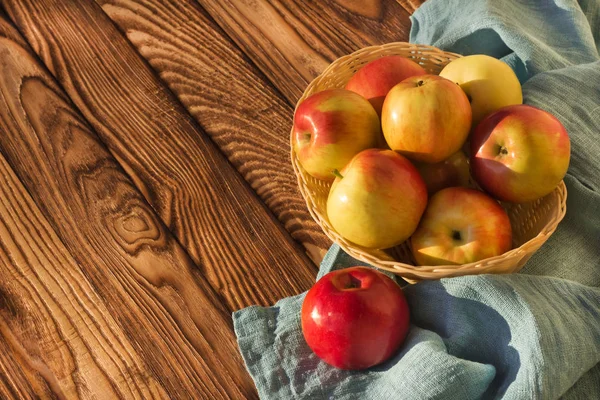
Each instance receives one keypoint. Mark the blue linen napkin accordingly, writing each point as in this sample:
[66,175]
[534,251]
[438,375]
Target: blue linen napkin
[533,335]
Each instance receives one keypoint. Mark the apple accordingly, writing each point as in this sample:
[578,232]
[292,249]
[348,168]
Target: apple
[426,118]
[355,318]
[331,127]
[453,171]
[489,83]
[461,226]
[520,153]
[375,79]
[377,199]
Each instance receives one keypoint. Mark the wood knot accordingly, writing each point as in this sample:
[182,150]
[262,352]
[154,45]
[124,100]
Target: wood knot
[135,227]
[134,224]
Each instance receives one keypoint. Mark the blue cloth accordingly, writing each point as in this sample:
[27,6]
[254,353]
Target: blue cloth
[533,335]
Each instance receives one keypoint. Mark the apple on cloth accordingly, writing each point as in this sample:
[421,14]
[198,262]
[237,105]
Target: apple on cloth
[470,337]
[355,318]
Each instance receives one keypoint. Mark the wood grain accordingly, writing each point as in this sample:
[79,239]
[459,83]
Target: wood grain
[234,103]
[292,41]
[51,317]
[409,5]
[240,247]
[108,303]
[17,381]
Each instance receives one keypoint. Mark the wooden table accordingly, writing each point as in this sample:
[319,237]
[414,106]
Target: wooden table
[145,184]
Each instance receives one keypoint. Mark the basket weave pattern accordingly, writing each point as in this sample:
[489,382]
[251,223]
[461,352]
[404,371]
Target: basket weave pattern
[532,223]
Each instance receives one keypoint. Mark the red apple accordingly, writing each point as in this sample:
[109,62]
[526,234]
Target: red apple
[377,200]
[374,80]
[331,127]
[461,226]
[355,318]
[453,171]
[427,118]
[520,153]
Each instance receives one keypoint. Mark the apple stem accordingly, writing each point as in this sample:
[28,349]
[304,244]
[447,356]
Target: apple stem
[420,83]
[337,173]
[353,283]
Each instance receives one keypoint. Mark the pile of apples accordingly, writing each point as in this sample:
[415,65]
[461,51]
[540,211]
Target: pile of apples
[401,147]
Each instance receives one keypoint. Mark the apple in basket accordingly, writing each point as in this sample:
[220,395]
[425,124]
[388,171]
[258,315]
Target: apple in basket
[461,226]
[520,153]
[355,318]
[489,83]
[375,79]
[377,200]
[427,118]
[453,171]
[331,127]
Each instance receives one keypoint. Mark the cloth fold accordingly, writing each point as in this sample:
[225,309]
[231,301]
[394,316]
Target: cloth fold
[490,336]
[532,335]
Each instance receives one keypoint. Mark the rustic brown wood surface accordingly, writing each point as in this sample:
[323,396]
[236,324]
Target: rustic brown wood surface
[240,248]
[145,184]
[292,41]
[234,103]
[150,288]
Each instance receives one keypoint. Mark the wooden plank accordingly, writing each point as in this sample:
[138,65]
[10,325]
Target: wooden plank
[240,247]
[17,381]
[410,5]
[233,101]
[127,312]
[292,41]
[51,318]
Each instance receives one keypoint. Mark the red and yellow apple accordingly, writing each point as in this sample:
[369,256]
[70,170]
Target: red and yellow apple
[426,118]
[355,318]
[520,153]
[377,200]
[453,171]
[489,83]
[374,80]
[461,226]
[331,127]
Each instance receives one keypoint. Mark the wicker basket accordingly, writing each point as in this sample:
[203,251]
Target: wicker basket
[532,223]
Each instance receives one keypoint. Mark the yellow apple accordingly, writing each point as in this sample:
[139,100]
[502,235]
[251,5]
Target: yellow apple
[426,118]
[377,200]
[461,226]
[489,83]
